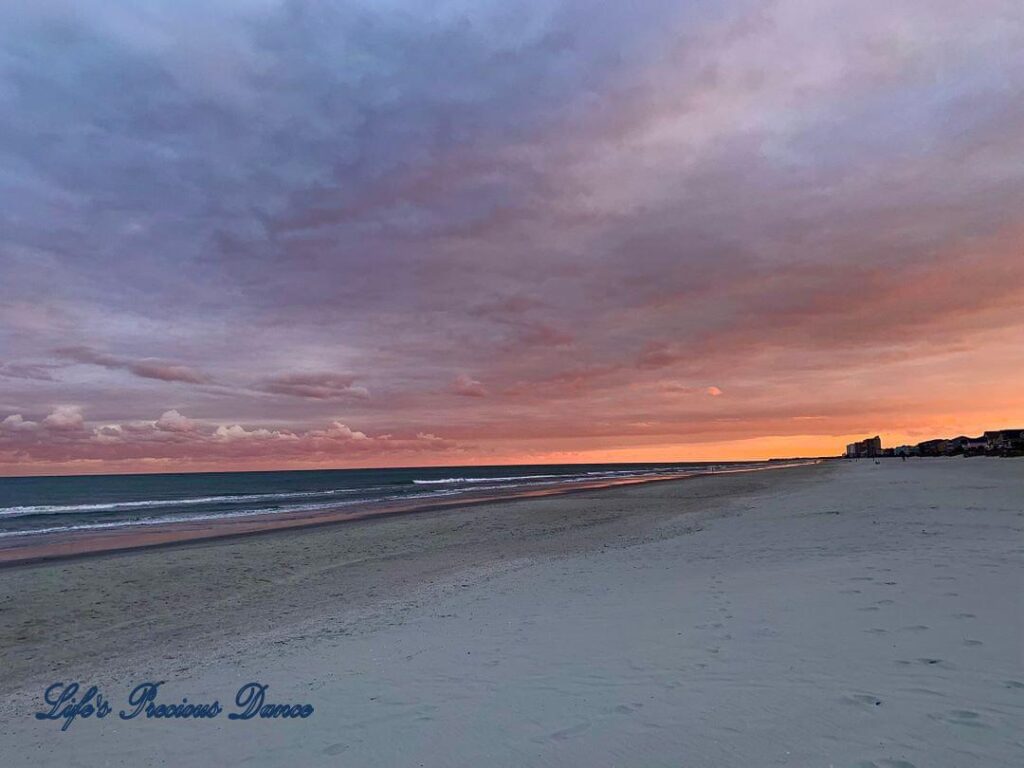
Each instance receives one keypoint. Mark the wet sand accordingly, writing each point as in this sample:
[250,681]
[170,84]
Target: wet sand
[842,614]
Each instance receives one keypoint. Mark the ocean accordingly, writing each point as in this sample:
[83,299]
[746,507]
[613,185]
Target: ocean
[53,505]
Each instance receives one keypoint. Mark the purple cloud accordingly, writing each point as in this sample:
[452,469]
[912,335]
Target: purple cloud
[146,369]
[315,386]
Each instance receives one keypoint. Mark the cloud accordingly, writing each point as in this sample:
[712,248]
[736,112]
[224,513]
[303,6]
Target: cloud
[657,354]
[15,423]
[713,391]
[174,438]
[339,431]
[316,386]
[108,433]
[785,198]
[146,368]
[31,371]
[172,421]
[238,432]
[165,372]
[64,418]
[468,387]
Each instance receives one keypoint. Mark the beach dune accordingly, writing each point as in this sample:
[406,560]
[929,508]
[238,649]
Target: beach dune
[846,614]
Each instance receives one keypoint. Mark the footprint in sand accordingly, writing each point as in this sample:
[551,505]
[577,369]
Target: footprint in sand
[568,733]
[964,616]
[335,749]
[865,700]
[936,663]
[970,642]
[914,628]
[964,717]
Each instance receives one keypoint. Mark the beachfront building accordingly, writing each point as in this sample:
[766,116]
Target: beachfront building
[938,447]
[1004,440]
[995,442]
[868,448]
[968,445]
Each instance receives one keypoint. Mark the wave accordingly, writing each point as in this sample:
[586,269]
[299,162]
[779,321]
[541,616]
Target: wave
[326,505]
[176,519]
[450,480]
[122,506]
[157,521]
[127,506]
[566,477]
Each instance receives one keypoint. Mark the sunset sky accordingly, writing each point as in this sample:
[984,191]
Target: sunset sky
[255,234]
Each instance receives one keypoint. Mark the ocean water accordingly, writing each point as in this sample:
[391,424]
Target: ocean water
[39,505]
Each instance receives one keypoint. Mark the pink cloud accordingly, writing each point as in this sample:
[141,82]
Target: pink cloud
[65,418]
[172,421]
[467,386]
[339,431]
[238,432]
[175,438]
[657,354]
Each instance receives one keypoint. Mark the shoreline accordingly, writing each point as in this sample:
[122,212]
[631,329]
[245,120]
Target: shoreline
[39,548]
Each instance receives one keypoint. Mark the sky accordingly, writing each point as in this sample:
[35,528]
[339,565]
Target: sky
[253,234]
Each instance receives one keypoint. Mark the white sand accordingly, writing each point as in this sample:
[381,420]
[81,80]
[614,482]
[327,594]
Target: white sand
[856,615]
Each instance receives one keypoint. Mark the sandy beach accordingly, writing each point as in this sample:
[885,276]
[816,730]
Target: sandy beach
[844,614]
